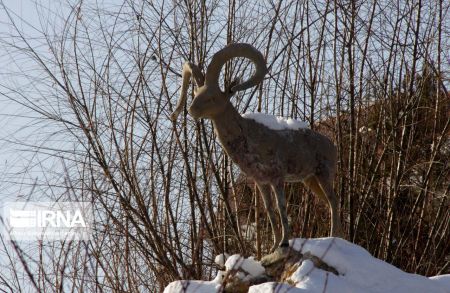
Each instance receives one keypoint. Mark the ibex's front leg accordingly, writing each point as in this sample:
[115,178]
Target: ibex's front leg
[265,193]
[281,246]
[281,202]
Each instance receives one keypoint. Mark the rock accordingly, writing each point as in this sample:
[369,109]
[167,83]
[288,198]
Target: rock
[237,281]
[280,265]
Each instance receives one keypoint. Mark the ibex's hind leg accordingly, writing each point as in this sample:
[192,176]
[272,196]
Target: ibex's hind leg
[322,187]
[281,202]
[313,185]
[265,193]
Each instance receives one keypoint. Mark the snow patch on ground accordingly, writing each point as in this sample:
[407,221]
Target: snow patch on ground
[220,259]
[444,280]
[248,265]
[358,272]
[196,286]
[275,122]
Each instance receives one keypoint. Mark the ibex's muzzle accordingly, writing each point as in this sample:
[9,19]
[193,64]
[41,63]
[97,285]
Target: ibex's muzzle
[194,112]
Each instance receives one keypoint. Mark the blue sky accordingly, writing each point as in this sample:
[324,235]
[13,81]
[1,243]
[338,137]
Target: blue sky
[19,126]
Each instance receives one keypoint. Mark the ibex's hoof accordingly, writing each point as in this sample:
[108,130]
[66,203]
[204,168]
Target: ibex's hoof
[278,243]
[280,253]
[273,248]
[337,234]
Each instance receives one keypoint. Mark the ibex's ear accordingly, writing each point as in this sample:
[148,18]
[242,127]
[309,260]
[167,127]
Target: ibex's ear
[189,69]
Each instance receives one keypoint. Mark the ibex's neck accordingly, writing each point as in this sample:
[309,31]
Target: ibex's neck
[228,124]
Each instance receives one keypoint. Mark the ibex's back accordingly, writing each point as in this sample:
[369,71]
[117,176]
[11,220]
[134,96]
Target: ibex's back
[267,155]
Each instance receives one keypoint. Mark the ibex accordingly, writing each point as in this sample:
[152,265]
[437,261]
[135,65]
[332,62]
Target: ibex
[270,157]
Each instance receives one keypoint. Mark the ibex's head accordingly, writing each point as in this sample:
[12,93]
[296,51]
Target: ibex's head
[209,99]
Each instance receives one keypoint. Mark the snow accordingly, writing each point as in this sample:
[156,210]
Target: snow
[275,122]
[249,231]
[358,271]
[221,258]
[365,129]
[196,286]
[444,280]
[248,265]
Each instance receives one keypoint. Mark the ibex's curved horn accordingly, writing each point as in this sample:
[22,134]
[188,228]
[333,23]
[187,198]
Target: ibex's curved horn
[189,69]
[232,51]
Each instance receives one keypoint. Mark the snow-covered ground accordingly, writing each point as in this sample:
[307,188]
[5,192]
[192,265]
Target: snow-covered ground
[358,272]
[275,122]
